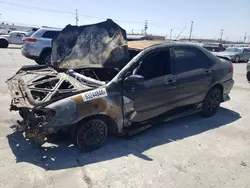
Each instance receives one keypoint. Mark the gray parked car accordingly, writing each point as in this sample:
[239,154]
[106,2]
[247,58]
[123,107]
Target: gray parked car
[235,54]
[38,45]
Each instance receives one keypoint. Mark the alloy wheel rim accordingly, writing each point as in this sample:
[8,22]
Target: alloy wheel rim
[48,59]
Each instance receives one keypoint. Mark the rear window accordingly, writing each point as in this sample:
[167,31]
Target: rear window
[50,34]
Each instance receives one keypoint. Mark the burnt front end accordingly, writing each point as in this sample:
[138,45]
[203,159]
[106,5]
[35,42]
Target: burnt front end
[33,89]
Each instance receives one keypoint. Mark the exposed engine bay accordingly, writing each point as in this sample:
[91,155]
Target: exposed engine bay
[37,85]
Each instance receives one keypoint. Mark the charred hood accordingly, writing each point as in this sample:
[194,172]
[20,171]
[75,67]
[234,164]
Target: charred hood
[99,45]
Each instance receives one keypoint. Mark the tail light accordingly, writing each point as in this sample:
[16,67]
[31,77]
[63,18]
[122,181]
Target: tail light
[30,40]
[232,68]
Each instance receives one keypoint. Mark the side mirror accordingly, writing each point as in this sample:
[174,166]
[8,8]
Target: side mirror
[134,80]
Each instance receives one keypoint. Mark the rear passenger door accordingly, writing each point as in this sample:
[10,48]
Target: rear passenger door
[194,74]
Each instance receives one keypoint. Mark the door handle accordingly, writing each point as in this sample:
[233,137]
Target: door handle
[171,81]
[207,72]
[132,89]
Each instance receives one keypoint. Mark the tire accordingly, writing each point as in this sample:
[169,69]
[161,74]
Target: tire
[45,58]
[237,59]
[248,76]
[4,43]
[211,102]
[91,135]
[37,61]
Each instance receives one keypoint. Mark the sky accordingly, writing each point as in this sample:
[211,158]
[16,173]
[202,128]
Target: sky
[208,16]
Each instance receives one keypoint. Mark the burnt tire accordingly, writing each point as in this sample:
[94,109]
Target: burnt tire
[211,102]
[91,134]
[45,58]
[4,43]
[248,76]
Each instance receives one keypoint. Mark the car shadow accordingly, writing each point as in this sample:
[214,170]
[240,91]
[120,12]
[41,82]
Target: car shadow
[14,47]
[65,155]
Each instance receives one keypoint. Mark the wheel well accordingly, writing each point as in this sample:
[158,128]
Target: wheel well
[4,39]
[220,87]
[111,124]
[45,50]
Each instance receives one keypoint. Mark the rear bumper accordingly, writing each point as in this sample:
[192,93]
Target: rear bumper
[227,87]
[26,54]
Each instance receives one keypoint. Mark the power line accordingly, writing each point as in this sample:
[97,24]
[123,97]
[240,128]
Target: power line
[181,32]
[63,12]
[36,8]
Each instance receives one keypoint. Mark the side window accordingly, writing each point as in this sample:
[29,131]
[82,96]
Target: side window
[189,58]
[50,34]
[155,65]
[246,50]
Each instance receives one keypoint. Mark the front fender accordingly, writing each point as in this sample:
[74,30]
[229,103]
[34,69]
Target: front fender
[73,109]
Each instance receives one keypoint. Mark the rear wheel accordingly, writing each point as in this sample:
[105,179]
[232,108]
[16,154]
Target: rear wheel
[248,76]
[211,102]
[45,59]
[4,43]
[91,134]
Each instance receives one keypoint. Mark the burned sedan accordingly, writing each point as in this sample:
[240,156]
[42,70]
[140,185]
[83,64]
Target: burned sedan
[97,84]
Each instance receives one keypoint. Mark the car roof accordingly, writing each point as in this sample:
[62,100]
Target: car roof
[49,29]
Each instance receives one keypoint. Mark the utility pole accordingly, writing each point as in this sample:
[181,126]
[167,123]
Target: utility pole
[76,17]
[170,34]
[221,34]
[245,37]
[146,26]
[191,30]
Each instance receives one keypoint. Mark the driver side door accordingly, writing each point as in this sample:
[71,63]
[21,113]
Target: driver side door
[157,94]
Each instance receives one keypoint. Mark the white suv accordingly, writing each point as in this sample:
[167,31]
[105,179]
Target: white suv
[38,45]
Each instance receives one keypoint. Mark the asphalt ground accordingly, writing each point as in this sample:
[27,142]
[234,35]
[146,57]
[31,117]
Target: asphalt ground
[189,152]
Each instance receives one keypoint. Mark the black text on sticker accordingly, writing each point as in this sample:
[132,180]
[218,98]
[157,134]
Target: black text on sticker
[94,94]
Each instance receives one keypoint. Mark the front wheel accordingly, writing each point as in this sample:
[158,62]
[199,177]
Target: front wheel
[4,43]
[237,59]
[91,135]
[211,102]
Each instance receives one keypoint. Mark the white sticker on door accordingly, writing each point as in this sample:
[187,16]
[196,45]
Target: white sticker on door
[94,94]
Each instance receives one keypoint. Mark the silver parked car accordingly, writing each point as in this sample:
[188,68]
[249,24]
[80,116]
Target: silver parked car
[38,45]
[235,54]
